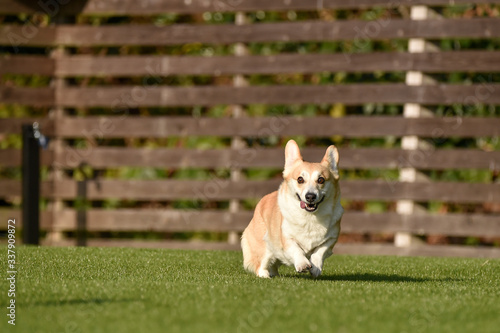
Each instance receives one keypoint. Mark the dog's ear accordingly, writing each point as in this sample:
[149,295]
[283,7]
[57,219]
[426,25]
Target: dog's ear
[292,154]
[331,160]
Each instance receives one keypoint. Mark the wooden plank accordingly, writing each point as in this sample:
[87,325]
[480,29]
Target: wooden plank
[17,36]
[321,126]
[224,221]
[124,35]
[14,125]
[442,191]
[85,65]
[224,190]
[349,127]
[476,225]
[216,189]
[122,98]
[450,61]
[27,96]
[152,7]
[442,62]
[6,214]
[351,158]
[221,189]
[352,94]
[169,220]
[270,32]
[421,250]
[156,220]
[13,158]
[26,65]
[11,188]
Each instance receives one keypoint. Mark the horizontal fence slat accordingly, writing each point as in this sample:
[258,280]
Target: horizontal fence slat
[170,220]
[221,189]
[13,157]
[355,158]
[434,62]
[153,7]
[452,224]
[351,158]
[27,96]
[390,190]
[18,36]
[14,125]
[155,220]
[122,98]
[46,218]
[86,65]
[352,222]
[27,65]
[262,32]
[321,126]
[216,189]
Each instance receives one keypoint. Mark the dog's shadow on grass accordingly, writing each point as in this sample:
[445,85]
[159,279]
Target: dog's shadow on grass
[91,301]
[368,277]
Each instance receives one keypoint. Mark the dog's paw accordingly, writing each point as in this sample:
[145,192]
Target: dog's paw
[315,271]
[303,266]
[263,273]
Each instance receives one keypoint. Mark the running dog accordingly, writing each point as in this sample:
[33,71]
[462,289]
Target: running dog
[300,222]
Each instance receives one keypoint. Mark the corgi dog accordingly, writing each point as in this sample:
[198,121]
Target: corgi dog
[300,222]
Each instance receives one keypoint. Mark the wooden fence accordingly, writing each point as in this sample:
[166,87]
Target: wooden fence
[69,55]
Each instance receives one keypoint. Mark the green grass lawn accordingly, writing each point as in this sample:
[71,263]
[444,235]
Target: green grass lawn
[130,290]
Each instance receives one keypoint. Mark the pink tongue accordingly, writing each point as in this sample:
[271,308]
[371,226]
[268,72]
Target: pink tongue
[302,205]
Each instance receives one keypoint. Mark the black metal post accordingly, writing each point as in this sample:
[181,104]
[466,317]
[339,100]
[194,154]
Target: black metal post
[81,217]
[31,187]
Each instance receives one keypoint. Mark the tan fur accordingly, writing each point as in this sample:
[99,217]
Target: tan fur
[282,231]
[266,212]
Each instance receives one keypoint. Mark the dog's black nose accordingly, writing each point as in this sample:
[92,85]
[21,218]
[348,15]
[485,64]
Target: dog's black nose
[310,197]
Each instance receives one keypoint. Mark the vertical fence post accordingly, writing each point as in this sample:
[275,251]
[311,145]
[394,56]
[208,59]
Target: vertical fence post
[413,110]
[54,235]
[31,186]
[237,142]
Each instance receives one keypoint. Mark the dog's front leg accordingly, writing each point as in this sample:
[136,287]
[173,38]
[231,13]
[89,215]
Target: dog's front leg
[301,263]
[319,255]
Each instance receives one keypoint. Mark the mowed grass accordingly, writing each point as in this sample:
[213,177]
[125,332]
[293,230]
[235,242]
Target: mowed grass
[139,290]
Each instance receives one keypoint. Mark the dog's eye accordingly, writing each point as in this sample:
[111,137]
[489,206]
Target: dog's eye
[321,180]
[300,180]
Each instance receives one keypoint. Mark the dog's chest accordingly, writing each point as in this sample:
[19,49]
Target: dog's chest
[309,234]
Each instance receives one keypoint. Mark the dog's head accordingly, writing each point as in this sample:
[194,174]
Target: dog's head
[311,183]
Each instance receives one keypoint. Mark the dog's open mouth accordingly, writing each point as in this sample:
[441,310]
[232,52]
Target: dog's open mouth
[309,207]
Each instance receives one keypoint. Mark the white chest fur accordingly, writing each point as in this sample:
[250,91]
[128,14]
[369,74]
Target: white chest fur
[310,230]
